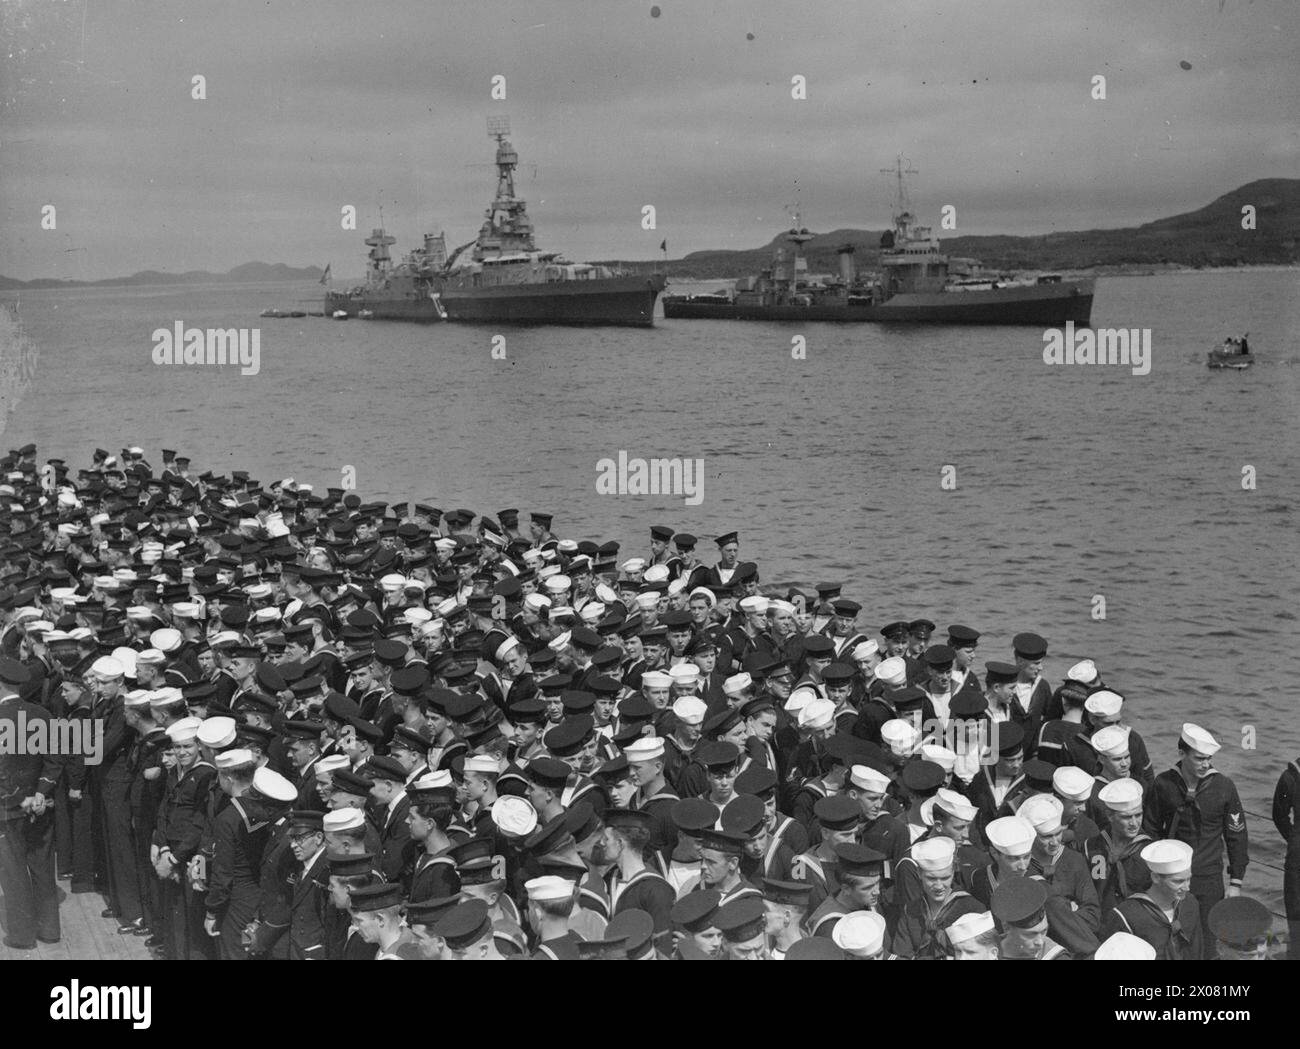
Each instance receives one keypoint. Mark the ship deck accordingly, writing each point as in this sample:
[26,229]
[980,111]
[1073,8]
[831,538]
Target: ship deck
[85,934]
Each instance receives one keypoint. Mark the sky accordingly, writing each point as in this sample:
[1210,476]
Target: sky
[316,104]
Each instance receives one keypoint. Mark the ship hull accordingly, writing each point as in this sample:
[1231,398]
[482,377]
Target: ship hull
[1040,305]
[624,301]
[421,309]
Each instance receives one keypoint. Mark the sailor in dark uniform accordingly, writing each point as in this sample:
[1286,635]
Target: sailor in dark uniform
[1073,911]
[1240,927]
[1286,818]
[1020,906]
[1166,915]
[342,938]
[839,818]
[1113,854]
[630,884]
[921,921]
[376,912]
[1032,691]
[654,796]
[721,573]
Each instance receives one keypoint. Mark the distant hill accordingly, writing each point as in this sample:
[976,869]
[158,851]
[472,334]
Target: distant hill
[248,273]
[1211,236]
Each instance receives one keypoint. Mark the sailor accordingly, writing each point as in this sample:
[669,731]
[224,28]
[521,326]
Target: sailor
[646,762]
[786,903]
[466,929]
[720,574]
[660,537]
[1010,840]
[963,641]
[1166,915]
[1195,803]
[993,783]
[376,912]
[430,871]
[680,744]
[938,661]
[1286,818]
[1073,911]
[629,882]
[1019,905]
[1113,854]
[839,817]
[1124,947]
[551,902]
[1101,709]
[1073,787]
[309,886]
[720,855]
[922,920]
[764,855]
[859,872]
[973,937]
[743,923]
[1031,691]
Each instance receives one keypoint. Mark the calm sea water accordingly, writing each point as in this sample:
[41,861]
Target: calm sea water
[1071,482]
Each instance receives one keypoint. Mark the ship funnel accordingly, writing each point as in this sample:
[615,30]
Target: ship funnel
[848,273]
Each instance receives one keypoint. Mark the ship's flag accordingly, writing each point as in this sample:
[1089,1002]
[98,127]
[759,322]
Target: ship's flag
[325,277]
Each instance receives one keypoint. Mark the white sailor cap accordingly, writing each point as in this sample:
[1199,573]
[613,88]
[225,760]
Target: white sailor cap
[536,602]
[645,748]
[591,612]
[220,639]
[514,816]
[432,628]
[1199,740]
[860,933]
[818,714]
[892,671]
[63,593]
[1044,811]
[187,610]
[754,603]
[266,615]
[139,613]
[439,780]
[567,546]
[162,696]
[54,636]
[330,763]
[864,777]
[38,626]
[677,586]
[737,683]
[780,607]
[504,648]
[447,607]
[1104,703]
[943,757]
[184,731]
[1084,672]
[68,500]
[233,758]
[106,668]
[484,764]
[343,819]
[647,600]
[258,591]
[81,633]
[799,699]
[417,616]
[125,575]
[955,804]
[865,650]
[1121,795]
[1071,782]
[106,583]
[606,594]
[934,854]
[562,614]
[900,736]
[655,679]
[392,582]
[633,565]
[27,612]
[702,592]
[684,673]
[655,574]
[558,642]
[125,656]
[1011,835]
[135,449]
[969,926]
[1167,856]
[137,697]
[1124,947]
[531,557]
[690,710]
[217,732]
[444,544]
[558,584]
[1111,740]
[548,887]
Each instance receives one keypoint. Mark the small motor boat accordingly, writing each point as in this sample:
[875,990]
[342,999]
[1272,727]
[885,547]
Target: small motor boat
[366,315]
[340,315]
[1234,353]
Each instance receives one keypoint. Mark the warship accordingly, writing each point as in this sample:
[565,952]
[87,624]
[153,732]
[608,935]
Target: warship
[914,286]
[402,292]
[506,280]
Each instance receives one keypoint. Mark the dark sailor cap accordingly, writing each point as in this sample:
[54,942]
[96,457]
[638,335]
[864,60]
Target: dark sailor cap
[350,782]
[718,754]
[919,775]
[1011,738]
[661,532]
[636,928]
[627,819]
[939,657]
[684,541]
[756,779]
[695,911]
[13,672]
[1029,646]
[549,772]
[464,924]
[859,859]
[997,673]
[896,631]
[789,893]
[303,729]
[741,919]
[968,703]
[727,537]
[962,636]
[1240,922]
[837,674]
[745,814]
[348,865]
[815,949]
[306,819]
[375,897]
[1019,901]
[429,912]
[838,812]
[693,815]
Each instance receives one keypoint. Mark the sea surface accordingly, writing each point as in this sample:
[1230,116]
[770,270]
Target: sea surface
[1071,482]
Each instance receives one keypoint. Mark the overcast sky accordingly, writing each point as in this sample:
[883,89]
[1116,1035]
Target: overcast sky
[313,104]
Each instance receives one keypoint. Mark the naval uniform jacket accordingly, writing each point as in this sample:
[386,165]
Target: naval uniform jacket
[1179,940]
[308,896]
[647,890]
[433,877]
[1116,873]
[1286,818]
[234,876]
[1068,879]
[663,831]
[1207,819]
[917,934]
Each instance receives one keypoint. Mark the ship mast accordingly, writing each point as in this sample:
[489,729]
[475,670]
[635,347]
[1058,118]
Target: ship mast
[507,228]
[903,217]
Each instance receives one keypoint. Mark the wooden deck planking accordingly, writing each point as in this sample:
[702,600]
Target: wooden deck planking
[85,934]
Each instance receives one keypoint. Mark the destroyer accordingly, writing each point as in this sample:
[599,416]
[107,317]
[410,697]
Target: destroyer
[914,286]
[506,280]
